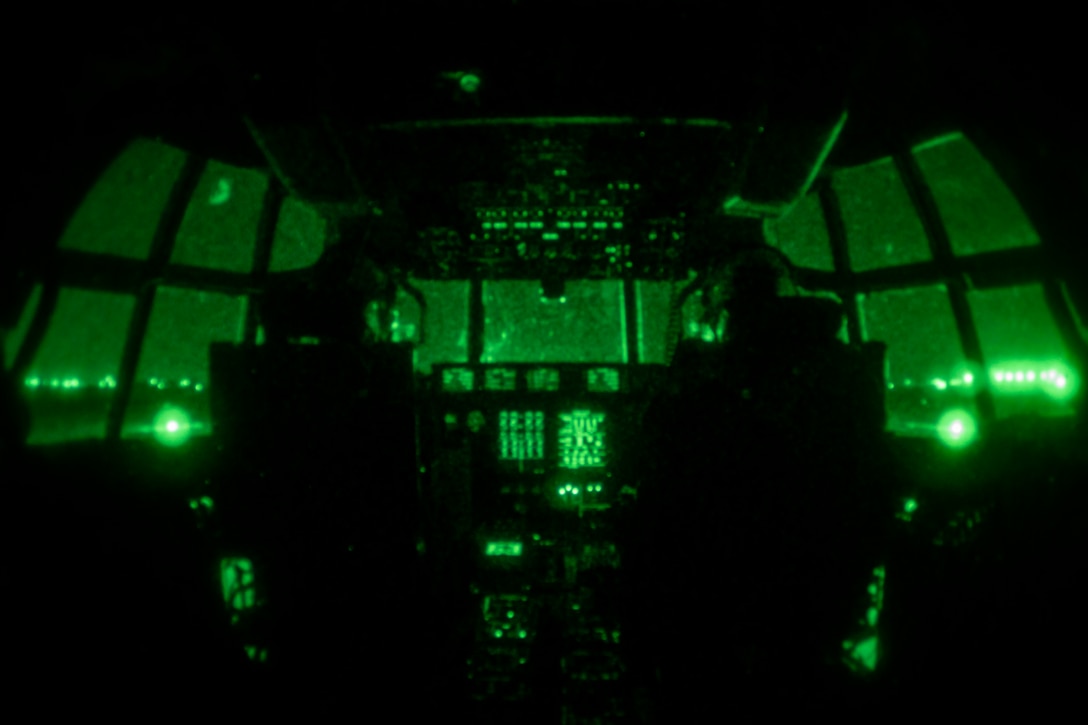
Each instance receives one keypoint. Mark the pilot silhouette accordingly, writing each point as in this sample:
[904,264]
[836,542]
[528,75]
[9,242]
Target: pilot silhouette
[755,522]
[346,297]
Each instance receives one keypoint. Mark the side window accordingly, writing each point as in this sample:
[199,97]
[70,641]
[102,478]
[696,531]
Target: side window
[219,230]
[1029,370]
[882,228]
[299,239]
[173,370]
[121,212]
[71,380]
[445,335]
[927,372]
[979,211]
[802,235]
[14,340]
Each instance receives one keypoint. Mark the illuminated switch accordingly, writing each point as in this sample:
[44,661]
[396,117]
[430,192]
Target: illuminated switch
[603,380]
[503,379]
[457,380]
[543,380]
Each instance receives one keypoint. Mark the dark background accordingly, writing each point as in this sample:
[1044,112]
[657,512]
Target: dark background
[78,88]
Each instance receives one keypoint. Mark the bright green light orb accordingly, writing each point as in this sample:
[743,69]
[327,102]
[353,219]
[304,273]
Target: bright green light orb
[172,426]
[957,429]
[470,83]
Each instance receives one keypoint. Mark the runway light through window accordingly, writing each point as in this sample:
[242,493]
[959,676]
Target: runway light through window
[172,426]
[957,429]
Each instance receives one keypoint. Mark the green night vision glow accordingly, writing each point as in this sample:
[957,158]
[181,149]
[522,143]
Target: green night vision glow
[1056,379]
[864,653]
[172,426]
[957,429]
[236,577]
[521,435]
[503,548]
[581,440]
[470,83]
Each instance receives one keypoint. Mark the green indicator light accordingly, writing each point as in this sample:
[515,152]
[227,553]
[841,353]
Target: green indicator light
[871,616]
[563,225]
[957,429]
[600,225]
[1060,381]
[563,491]
[206,502]
[251,651]
[575,491]
[193,504]
[872,590]
[617,225]
[1019,376]
[234,575]
[910,505]
[487,225]
[498,634]
[968,378]
[504,548]
[536,225]
[523,634]
[470,83]
[500,225]
[510,614]
[1031,376]
[171,426]
[550,236]
[579,225]
[865,652]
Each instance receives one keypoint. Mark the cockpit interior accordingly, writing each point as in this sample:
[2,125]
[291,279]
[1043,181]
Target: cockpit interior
[545,382]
